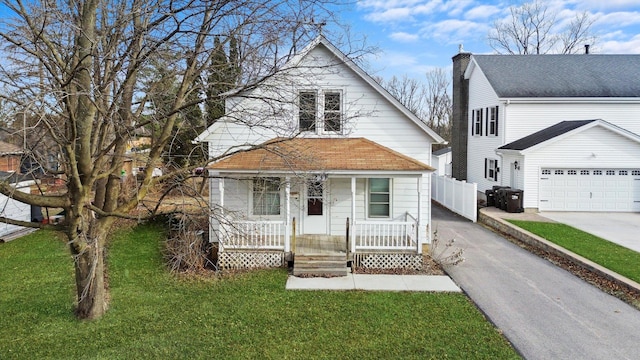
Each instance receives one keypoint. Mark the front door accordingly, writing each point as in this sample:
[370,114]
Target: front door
[315,209]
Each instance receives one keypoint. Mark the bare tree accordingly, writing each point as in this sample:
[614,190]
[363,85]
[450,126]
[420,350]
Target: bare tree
[81,68]
[428,99]
[532,28]
[439,103]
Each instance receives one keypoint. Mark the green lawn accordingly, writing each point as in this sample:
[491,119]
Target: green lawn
[610,255]
[155,315]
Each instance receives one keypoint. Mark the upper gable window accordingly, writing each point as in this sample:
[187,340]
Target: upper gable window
[320,111]
[332,111]
[308,108]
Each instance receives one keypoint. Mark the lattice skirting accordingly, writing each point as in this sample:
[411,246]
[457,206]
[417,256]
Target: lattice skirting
[388,261]
[250,259]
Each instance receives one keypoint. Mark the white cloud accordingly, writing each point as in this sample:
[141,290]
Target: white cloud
[455,7]
[395,14]
[631,46]
[618,19]
[397,11]
[455,31]
[404,37]
[607,5]
[481,12]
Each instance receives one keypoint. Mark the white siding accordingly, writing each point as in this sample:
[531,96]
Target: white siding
[525,119]
[593,148]
[481,96]
[367,113]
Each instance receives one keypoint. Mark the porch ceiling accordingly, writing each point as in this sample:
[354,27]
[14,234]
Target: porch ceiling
[321,155]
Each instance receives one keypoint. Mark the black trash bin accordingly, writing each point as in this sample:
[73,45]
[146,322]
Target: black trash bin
[500,196]
[491,197]
[514,201]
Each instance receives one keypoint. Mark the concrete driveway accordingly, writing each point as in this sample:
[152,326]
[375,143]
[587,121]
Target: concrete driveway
[620,228]
[546,312]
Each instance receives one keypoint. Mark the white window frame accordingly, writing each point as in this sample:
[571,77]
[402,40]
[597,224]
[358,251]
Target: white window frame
[369,203]
[493,121]
[476,121]
[314,127]
[492,169]
[252,195]
[320,110]
[340,111]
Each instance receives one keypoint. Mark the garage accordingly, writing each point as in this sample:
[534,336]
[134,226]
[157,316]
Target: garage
[566,189]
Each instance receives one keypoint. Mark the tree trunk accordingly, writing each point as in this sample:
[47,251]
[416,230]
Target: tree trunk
[91,287]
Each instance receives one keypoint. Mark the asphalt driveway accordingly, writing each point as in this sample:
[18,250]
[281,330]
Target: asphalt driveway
[546,312]
[620,228]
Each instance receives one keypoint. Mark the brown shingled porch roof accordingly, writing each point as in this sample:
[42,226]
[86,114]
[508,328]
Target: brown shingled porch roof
[320,154]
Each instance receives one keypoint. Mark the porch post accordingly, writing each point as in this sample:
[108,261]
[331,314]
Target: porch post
[419,218]
[287,223]
[352,235]
[222,229]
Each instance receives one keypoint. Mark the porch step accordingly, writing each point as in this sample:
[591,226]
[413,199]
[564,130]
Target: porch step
[320,265]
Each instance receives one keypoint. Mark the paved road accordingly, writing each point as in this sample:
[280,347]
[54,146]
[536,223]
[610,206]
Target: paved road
[544,311]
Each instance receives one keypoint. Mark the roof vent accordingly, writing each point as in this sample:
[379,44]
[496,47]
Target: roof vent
[586,49]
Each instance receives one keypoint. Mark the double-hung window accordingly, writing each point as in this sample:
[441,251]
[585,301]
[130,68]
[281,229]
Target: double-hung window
[332,111]
[491,169]
[493,121]
[476,116]
[320,111]
[379,197]
[266,196]
[308,109]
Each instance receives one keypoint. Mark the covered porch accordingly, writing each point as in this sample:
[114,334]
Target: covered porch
[355,205]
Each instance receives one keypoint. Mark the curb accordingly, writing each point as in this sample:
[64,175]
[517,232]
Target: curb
[536,241]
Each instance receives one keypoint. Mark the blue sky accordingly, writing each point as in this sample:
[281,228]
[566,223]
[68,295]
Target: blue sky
[415,36]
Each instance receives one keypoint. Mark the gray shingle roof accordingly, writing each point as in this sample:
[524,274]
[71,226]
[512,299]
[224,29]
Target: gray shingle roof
[517,76]
[545,134]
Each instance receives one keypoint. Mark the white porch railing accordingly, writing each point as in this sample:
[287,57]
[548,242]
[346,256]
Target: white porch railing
[385,235]
[253,235]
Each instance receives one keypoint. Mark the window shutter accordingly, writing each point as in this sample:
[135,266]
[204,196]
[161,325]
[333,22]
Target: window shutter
[497,117]
[481,121]
[486,168]
[473,122]
[495,171]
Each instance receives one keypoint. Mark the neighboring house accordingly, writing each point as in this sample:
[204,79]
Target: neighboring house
[441,160]
[339,156]
[563,128]
[10,156]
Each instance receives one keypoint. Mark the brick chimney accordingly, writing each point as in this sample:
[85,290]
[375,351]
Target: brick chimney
[460,126]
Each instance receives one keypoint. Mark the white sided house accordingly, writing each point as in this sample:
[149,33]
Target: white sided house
[319,160]
[562,128]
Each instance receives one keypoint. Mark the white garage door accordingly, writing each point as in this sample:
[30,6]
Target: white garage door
[590,190]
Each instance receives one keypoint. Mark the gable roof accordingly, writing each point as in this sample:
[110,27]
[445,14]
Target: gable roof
[344,59]
[559,130]
[320,154]
[545,134]
[10,149]
[522,76]
[441,151]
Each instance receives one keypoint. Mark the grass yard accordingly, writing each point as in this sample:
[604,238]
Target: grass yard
[610,255]
[154,315]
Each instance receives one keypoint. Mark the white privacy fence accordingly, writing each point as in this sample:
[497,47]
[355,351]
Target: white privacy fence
[460,197]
